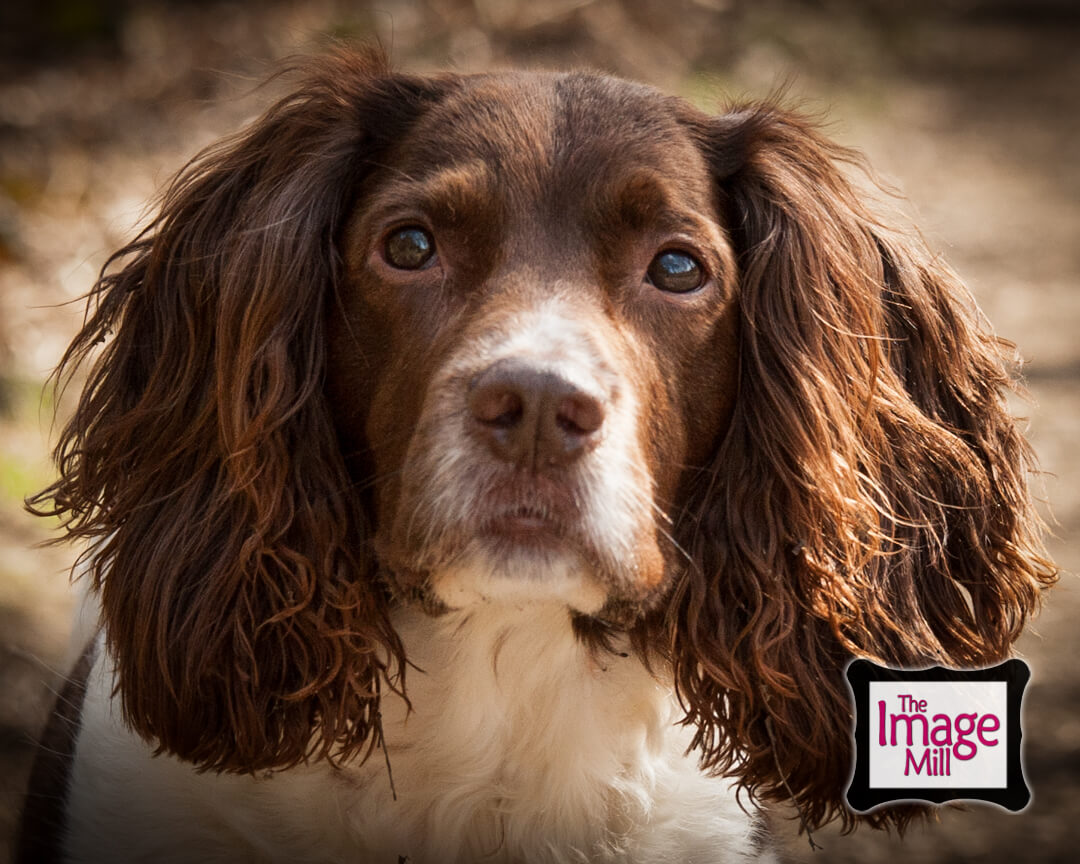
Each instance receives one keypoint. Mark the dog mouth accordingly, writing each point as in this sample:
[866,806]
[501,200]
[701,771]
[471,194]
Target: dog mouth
[522,553]
[525,523]
[529,507]
[521,537]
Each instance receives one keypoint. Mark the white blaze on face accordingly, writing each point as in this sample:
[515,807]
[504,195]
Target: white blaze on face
[611,484]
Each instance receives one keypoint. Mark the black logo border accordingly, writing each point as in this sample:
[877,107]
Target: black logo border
[862,798]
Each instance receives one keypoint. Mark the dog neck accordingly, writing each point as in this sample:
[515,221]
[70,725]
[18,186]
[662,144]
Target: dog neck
[525,724]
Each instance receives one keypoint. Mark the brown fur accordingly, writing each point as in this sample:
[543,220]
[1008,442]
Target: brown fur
[826,425]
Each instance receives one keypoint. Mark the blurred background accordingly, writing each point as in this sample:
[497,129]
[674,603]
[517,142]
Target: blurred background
[970,107]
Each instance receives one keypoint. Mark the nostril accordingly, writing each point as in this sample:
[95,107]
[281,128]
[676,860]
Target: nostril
[579,414]
[532,417]
[496,405]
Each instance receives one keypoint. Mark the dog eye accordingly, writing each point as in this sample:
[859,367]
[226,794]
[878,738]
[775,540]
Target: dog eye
[409,248]
[676,272]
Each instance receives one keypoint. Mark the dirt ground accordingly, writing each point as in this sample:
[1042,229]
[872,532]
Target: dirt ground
[970,108]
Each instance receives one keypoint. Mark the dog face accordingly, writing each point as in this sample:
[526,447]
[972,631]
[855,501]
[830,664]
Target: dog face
[537,337]
[536,342]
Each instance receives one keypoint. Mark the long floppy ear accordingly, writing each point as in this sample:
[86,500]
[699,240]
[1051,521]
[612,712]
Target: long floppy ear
[201,462]
[870,498]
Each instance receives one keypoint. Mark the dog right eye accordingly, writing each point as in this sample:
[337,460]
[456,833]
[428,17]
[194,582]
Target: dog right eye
[676,272]
[410,248]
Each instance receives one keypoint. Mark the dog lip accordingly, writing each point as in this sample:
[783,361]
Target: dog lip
[526,523]
[533,527]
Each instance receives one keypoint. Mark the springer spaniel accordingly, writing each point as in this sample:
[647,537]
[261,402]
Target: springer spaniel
[504,468]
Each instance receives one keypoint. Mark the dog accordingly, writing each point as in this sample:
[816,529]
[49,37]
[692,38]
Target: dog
[504,467]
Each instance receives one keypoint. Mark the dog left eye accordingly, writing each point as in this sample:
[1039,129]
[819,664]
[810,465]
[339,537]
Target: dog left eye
[676,272]
[410,248]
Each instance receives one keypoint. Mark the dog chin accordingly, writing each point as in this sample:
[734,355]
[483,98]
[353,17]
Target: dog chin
[519,577]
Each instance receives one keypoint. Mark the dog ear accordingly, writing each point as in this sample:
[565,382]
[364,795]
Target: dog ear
[201,463]
[870,497]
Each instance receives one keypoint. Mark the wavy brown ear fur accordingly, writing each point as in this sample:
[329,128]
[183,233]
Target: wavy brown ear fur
[201,463]
[870,498]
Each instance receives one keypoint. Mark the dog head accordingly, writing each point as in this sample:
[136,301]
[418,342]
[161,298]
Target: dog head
[534,348]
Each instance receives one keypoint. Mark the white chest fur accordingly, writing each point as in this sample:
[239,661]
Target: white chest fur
[520,746]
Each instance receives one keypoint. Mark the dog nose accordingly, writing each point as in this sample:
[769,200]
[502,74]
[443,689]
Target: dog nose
[532,417]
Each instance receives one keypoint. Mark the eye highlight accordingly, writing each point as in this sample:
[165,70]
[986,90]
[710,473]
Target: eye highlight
[676,272]
[409,248]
